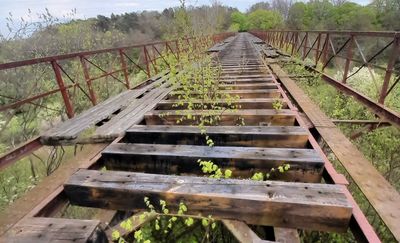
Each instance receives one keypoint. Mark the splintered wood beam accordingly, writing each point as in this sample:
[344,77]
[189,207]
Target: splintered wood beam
[255,103]
[55,230]
[279,204]
[251,117]
[244,93]
[242,232]
[247,136]
[305,164]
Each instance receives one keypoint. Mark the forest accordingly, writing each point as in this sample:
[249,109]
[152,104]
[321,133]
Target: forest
[25,39]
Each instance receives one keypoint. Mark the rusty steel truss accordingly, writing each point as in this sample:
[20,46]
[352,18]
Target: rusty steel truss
[343,49]
[297,43]
[149,55]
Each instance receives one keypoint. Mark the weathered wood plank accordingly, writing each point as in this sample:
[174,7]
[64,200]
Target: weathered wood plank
[237,65]
[133,114]
[70,129]
[251,117]
[305,164]
[258,93]
[55,230]
[246,81]
[242,232]
[285,235]
[246,136]
[247,76]
[255,103]
[298,205]
[248,86]
[242,72]
[260,69]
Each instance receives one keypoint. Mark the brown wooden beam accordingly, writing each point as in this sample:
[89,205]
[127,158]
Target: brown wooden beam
[255,103]
[298,205]
[245,136]
[251,117]
[305,164]
[55,230]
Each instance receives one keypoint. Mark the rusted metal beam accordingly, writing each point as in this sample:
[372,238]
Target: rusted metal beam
[63,89]
[363,122]
[16,64]
[88,80]
[389,70]
[378,109]
[19,152]
[359,224]
[124,68]
[358,33]
[30,99]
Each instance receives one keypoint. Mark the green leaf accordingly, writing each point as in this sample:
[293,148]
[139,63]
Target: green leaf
[138,235]
[228,174]
[189,221]
[204,222]
[115,235]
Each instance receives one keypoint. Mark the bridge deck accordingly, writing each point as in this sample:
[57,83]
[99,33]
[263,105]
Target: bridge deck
[156,157]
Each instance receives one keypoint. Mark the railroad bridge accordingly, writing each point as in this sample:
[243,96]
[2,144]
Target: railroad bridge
[139,149]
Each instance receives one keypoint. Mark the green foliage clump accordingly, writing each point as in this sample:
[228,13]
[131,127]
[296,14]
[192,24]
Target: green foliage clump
[260,19]
[259,176]
[265,20]
[166,226]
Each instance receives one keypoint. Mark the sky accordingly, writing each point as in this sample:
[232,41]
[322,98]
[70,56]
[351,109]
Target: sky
[92,8]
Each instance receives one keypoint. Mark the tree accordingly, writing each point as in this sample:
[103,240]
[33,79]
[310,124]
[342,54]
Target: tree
[182,21]
[282,6]
[259,5]
[338,2]
[351,16]
[239,21]
[387,13]
[265,20]
[295,20]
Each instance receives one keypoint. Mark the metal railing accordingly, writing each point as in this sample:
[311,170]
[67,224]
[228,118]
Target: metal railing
[125,61]
[344,50]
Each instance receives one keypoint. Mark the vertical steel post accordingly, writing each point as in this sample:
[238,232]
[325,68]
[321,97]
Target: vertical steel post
[317,50]
[146,59]
[305,46]
[154,60]
[88,80]
[348,59]
[63,90]
[124,68]
[294,47]
[325,51]
[389,69]
[177,48]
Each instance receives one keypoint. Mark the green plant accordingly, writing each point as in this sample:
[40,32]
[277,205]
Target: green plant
[165,226]
[277,104]
[259,176]
[208,167]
